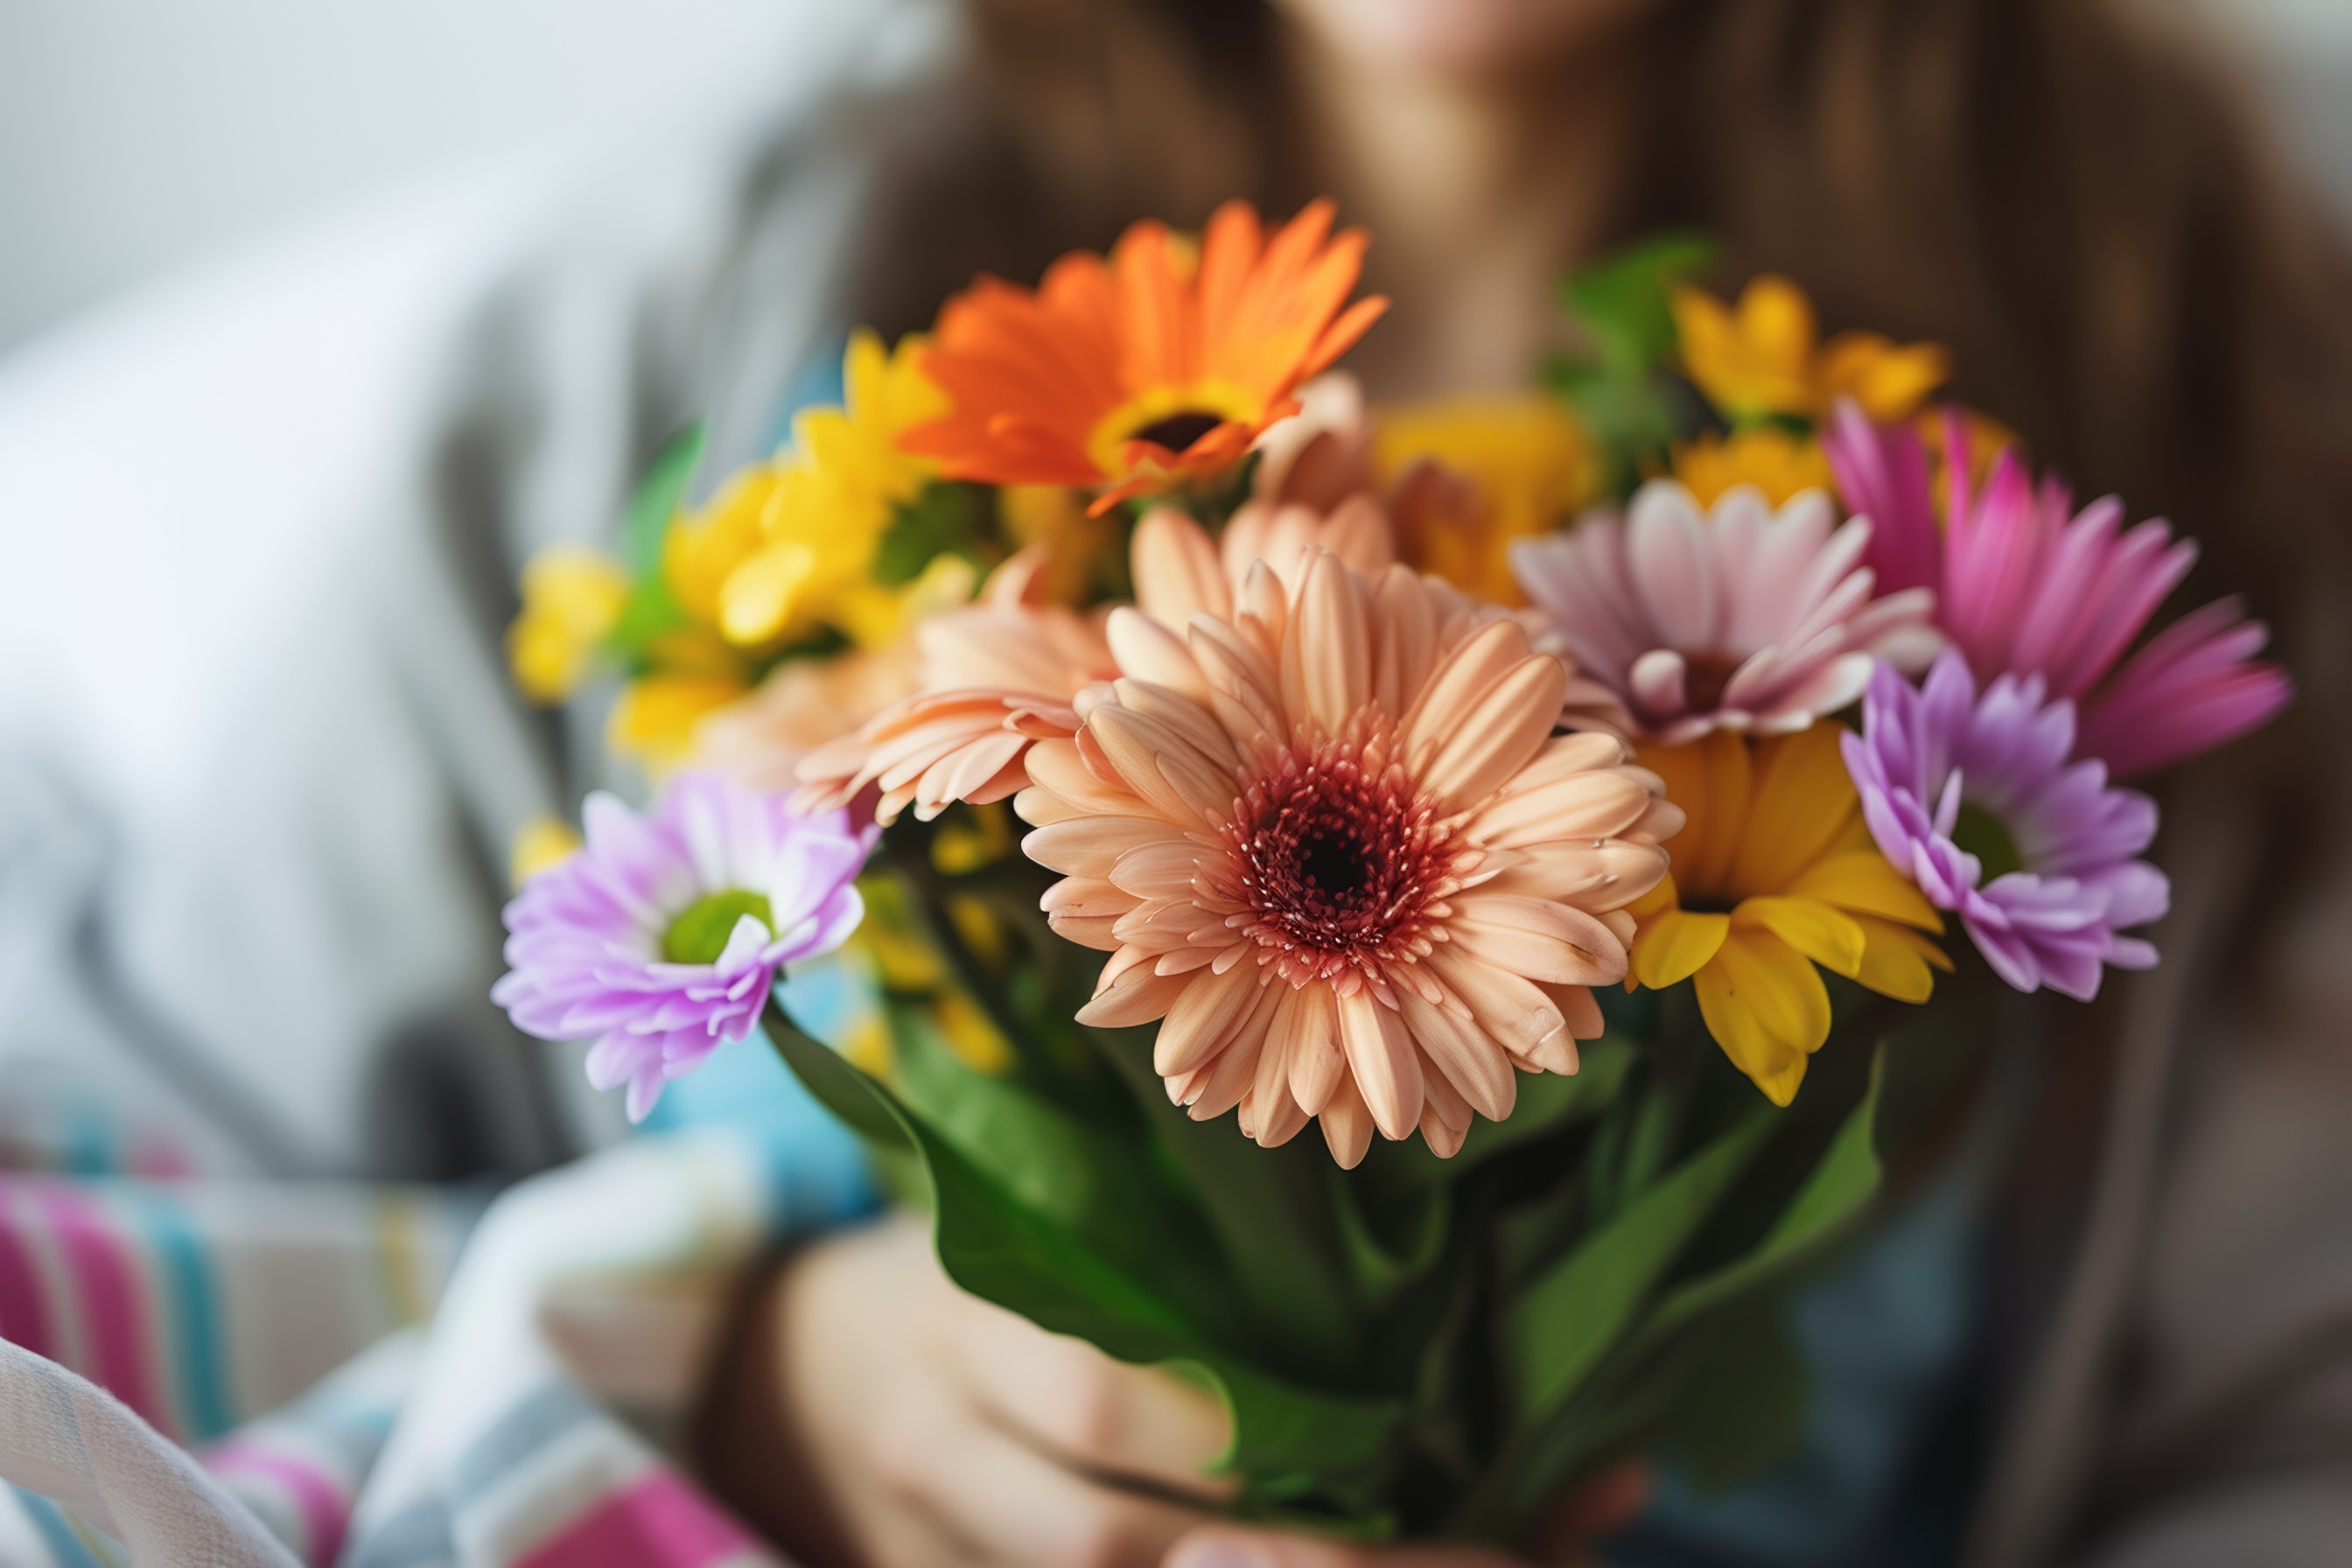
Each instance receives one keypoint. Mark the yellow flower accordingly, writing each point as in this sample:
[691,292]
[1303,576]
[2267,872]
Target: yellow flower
[1056,517]
[655,717]
[1528,467]
[542,843]
[1775,873]
[1770,459]
[701,553]
[823,513]
[571,598]
[876,617]
[1760,357]
[1888,379]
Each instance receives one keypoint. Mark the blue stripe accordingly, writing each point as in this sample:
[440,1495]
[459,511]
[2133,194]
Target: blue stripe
[193,1318]
[531,1423]
[66,1550]
[89,1148]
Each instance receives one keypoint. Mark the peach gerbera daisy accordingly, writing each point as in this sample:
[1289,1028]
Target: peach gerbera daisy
[1164,362]
[1336,850]
[1014,667]
[994,677]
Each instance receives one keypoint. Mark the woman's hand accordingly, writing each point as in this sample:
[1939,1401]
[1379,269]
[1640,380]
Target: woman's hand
[941,1429]
[875,1415]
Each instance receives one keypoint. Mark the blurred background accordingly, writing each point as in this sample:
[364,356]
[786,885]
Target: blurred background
[138,138]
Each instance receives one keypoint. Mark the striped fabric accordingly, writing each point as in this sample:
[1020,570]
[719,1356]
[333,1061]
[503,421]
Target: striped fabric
[300,1469]
[200,1305]
[494,1439]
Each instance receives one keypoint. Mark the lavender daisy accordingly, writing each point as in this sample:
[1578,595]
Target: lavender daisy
[662,936]
[1973,799]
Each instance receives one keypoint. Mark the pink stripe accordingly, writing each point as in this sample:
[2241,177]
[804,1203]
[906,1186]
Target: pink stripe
[660,1522]
[318,1496]
[107,1287]
[24,1309]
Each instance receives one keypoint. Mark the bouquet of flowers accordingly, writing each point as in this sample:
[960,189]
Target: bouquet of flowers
[1609,817]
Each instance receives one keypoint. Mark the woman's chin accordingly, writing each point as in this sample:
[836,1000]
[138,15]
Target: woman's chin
[1457,38]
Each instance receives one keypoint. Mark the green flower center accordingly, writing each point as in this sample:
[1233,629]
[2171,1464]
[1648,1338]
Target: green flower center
[1984,836]
[699,935]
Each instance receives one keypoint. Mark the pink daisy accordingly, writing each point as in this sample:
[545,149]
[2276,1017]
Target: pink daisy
[2027,585]
[1736,617]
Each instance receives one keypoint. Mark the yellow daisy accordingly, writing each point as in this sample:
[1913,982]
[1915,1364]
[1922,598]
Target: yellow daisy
[1770,459]
[572,597]
[1775,873]
[1761,357]
[819,516]
[1527,467]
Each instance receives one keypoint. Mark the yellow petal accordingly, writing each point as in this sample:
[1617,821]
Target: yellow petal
[1803,798]
[1777,320]
[1661,896]
[655,715]
[1863,883]
[1890,381]
[541,844]
[1766,1008]
[1773,1066]
[1896,960]
[1709,779]
[1813,928]
[1672,946]
[758,598]
[572,597]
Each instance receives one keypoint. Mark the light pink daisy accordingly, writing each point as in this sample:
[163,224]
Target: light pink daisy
[1736,617]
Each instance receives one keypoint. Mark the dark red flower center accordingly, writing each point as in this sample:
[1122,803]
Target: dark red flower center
[1341,860]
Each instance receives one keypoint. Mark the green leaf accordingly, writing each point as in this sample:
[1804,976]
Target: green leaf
[1840,1188]
[1622,299]
[1298,1446]
[947,516]
[1080,1174]
[1270,1209]
[657,500]
[837,1086]
[1567,1318]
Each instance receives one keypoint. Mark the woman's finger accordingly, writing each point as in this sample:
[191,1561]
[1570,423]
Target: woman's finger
[1006,1503]
[1065,1396]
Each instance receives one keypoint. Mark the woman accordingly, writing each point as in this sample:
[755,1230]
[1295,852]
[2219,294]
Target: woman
[2059,196]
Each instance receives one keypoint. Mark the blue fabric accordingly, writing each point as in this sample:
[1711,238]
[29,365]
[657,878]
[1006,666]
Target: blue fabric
[817,1168]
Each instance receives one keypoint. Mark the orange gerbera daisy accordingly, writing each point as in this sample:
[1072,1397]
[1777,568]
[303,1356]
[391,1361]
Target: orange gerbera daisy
[1163,362]
[1335,848]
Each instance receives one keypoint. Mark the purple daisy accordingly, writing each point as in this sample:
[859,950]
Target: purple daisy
[662,936]
[1973,799]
